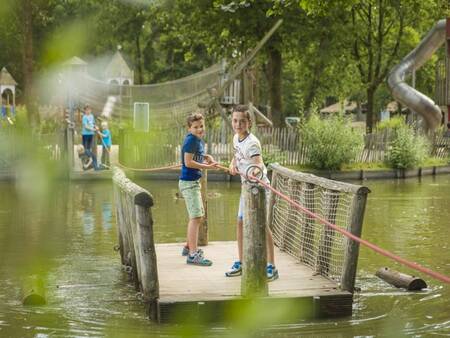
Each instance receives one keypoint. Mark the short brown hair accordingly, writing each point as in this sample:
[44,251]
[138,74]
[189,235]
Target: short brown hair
[243,108]
[193,118]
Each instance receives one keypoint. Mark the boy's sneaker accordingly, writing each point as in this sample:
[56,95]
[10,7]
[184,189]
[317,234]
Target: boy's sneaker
[236,270]
[198,259]
[87,164]
[185,251]
[272,272]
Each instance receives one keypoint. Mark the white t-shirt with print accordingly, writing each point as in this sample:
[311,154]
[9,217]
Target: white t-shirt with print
[244,151]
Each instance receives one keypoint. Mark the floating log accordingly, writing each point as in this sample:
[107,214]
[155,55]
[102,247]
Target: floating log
[401,280]
[33,291]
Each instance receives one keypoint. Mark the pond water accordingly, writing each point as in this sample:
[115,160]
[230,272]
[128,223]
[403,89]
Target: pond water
[67,238]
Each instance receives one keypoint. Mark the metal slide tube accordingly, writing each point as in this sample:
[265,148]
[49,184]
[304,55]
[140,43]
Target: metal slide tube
[407,95]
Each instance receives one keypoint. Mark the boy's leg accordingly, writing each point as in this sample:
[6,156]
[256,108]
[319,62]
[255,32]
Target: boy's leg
[270,247]
[103,160]
[107,162]
[239,237]
[192,234]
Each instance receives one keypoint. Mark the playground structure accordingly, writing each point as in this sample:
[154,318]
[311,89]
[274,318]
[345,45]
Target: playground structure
[318,265]
[410,97]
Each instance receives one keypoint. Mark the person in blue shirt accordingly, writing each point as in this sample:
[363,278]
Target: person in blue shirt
[87,134]
[105,134]
[193,159]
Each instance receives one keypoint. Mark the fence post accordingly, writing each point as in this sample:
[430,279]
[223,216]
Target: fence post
[352,248]
[203,231]
[147,254]
[254,279]
[69,135]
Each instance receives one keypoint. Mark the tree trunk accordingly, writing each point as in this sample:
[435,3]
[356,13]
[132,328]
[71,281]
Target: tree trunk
[370,116]
[139,60]
[274,79]
[27,60]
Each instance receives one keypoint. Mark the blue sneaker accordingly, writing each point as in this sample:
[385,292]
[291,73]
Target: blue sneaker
[185,251]
[236,270]
[272,272]
[198,259]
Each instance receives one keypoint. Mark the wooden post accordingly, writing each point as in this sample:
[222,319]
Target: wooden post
[352,248]
[70,153]
[203,231]
[330,204]
[147,254]
[254,279]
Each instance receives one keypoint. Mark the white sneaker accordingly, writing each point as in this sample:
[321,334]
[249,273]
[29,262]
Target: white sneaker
[87,164]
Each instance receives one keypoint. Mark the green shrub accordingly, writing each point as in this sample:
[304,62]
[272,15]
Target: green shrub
[407,150]
[331,142]
[393,123]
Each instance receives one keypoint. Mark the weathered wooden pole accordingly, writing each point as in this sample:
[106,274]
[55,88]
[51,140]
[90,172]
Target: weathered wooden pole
[203,231]
[352,248]
[254,279]
[147,254]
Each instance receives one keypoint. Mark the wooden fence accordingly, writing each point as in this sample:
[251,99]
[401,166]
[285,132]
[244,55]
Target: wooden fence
[136,243]
[282,145]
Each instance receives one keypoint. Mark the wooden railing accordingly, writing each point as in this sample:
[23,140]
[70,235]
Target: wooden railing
[136,243]
[328,252]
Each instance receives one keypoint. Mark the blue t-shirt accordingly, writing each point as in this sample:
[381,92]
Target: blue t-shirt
[193,145]
[106,136]
[88,120]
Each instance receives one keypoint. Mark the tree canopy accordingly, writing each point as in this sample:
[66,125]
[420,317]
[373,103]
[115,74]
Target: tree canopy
[323,50]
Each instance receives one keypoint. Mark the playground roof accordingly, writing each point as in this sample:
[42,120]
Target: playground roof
[339,106]
[6,78]
[118,67]
[75,61]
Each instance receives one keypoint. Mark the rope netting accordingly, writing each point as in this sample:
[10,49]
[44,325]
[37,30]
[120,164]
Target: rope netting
[170,102]
[303,236]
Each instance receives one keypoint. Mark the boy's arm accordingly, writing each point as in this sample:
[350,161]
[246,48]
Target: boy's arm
[190,163]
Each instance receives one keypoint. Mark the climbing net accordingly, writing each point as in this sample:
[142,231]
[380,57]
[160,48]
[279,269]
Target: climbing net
[301,235]
[170,102]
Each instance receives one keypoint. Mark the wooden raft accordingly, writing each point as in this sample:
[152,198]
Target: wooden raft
[187,291]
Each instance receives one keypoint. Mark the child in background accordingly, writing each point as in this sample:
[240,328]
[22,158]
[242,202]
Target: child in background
[192,158]
[105,134]
[247,153]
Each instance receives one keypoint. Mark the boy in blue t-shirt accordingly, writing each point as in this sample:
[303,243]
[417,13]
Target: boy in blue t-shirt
[105,134]
[193,159]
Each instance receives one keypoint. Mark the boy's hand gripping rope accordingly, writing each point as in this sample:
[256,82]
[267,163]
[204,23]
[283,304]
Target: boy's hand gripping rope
[413,265]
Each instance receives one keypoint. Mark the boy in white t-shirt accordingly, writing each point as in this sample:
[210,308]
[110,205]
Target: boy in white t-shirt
[248,153]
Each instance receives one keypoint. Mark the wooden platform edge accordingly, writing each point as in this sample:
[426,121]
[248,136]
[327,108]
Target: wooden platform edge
[291,310]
